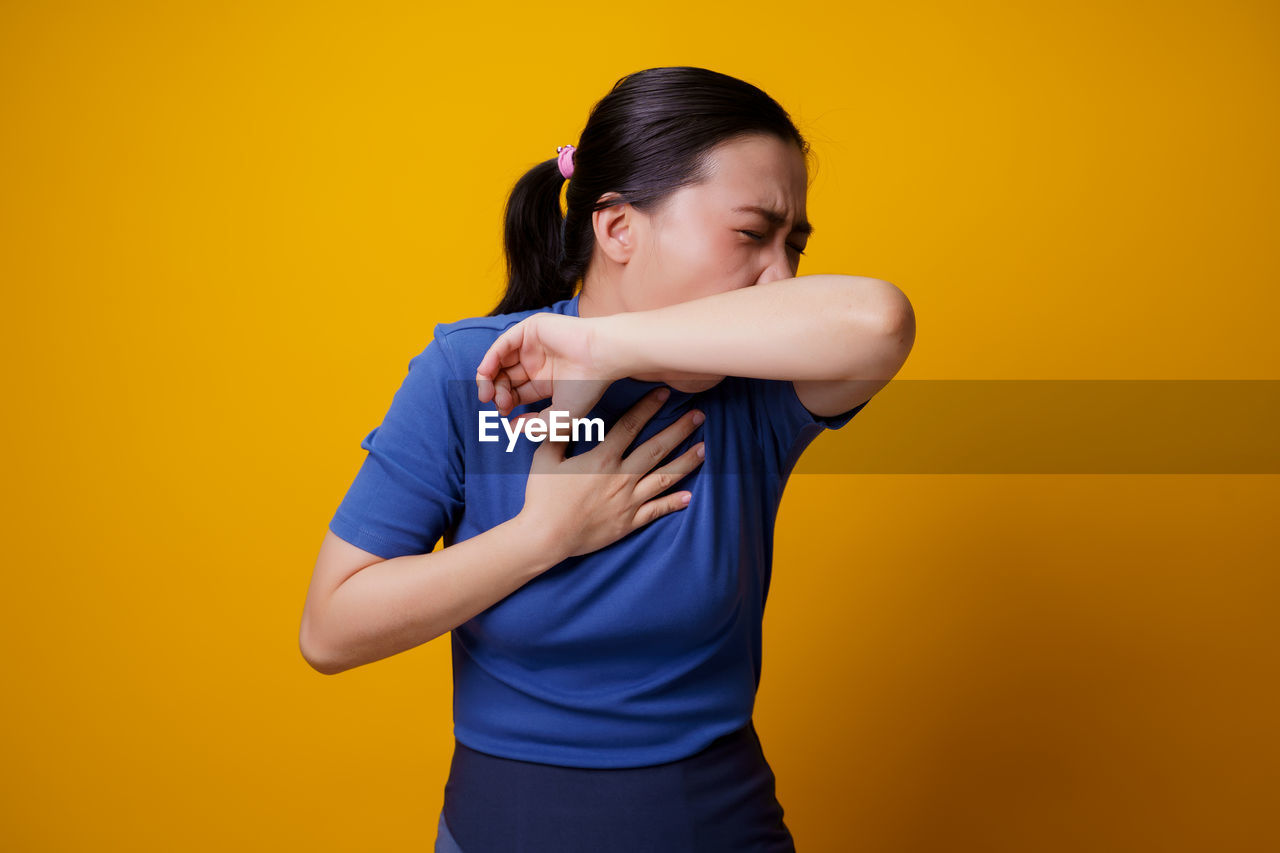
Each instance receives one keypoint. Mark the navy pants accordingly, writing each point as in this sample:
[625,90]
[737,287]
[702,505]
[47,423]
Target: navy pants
[721,800]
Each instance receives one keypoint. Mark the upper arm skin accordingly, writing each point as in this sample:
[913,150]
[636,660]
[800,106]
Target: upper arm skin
[883,357]
[338,560]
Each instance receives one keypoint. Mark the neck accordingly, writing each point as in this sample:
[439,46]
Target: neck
[600,295]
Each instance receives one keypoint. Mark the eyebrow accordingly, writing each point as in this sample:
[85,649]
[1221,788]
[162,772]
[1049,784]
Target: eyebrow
[803,227]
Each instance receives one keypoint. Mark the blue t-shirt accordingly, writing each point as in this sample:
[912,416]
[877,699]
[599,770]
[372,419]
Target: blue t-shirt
[642,652]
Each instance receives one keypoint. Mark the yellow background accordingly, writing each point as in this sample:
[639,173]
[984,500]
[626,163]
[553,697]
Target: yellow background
[226,227]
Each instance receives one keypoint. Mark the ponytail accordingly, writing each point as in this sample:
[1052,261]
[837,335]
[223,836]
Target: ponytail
[534,241]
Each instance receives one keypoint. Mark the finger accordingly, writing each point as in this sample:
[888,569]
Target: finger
[629,425]
[653,451]
[500,351]
[503,398]
[516,374]
[668,475]
[511,397]
[529,392]
[520,421]
[662,506]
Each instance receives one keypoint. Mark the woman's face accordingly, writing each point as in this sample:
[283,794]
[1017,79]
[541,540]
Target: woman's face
[710,238]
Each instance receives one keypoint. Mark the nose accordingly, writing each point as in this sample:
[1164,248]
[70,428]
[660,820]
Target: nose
[778,266]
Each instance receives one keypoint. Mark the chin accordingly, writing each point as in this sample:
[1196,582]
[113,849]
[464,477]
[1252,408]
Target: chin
[689,383]
[693,386]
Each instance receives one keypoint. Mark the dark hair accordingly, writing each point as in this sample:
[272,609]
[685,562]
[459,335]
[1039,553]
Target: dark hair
[650,136]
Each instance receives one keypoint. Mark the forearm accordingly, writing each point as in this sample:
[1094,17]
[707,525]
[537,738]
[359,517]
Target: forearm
[810,327]
[401,603]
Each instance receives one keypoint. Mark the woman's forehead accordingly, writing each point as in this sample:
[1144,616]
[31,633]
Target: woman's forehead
[753,182]
[758,165]
[756,158]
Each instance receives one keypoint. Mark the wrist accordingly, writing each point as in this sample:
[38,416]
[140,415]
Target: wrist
[542,541]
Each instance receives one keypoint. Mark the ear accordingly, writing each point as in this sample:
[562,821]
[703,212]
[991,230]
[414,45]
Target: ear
[613,227]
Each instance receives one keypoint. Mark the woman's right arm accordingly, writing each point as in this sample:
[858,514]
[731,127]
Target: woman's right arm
[361,608]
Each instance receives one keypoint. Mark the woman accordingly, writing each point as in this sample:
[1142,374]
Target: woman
[606,629]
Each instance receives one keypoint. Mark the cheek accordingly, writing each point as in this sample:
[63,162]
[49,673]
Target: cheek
[732,266]
[696,263]
[720,257]
[686,267]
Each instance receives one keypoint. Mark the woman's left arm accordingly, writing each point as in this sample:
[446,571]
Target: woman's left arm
[838,338]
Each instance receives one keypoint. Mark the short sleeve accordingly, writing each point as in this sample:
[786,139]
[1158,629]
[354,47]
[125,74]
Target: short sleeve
[409,489]
[785,425]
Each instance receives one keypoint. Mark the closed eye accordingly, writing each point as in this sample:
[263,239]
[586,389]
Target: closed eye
[758,237]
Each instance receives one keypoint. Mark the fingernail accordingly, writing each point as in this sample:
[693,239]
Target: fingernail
[702,451]
[685,499]
[664,393]
[698,418]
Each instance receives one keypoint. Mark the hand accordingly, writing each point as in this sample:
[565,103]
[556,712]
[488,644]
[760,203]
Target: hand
[583,503]
[545,355]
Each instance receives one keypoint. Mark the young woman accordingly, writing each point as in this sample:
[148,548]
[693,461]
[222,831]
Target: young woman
[606,627]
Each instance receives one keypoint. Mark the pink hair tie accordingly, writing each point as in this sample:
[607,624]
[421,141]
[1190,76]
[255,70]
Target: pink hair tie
[566,160]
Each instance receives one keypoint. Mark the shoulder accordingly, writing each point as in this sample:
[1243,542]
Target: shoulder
[464,342]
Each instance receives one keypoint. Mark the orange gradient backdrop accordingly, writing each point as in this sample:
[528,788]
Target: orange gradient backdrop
[225,228]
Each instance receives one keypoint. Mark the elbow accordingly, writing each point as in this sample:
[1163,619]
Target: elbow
[898,323]
[314,652]
[879,307]
[897,336]
[884,333]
